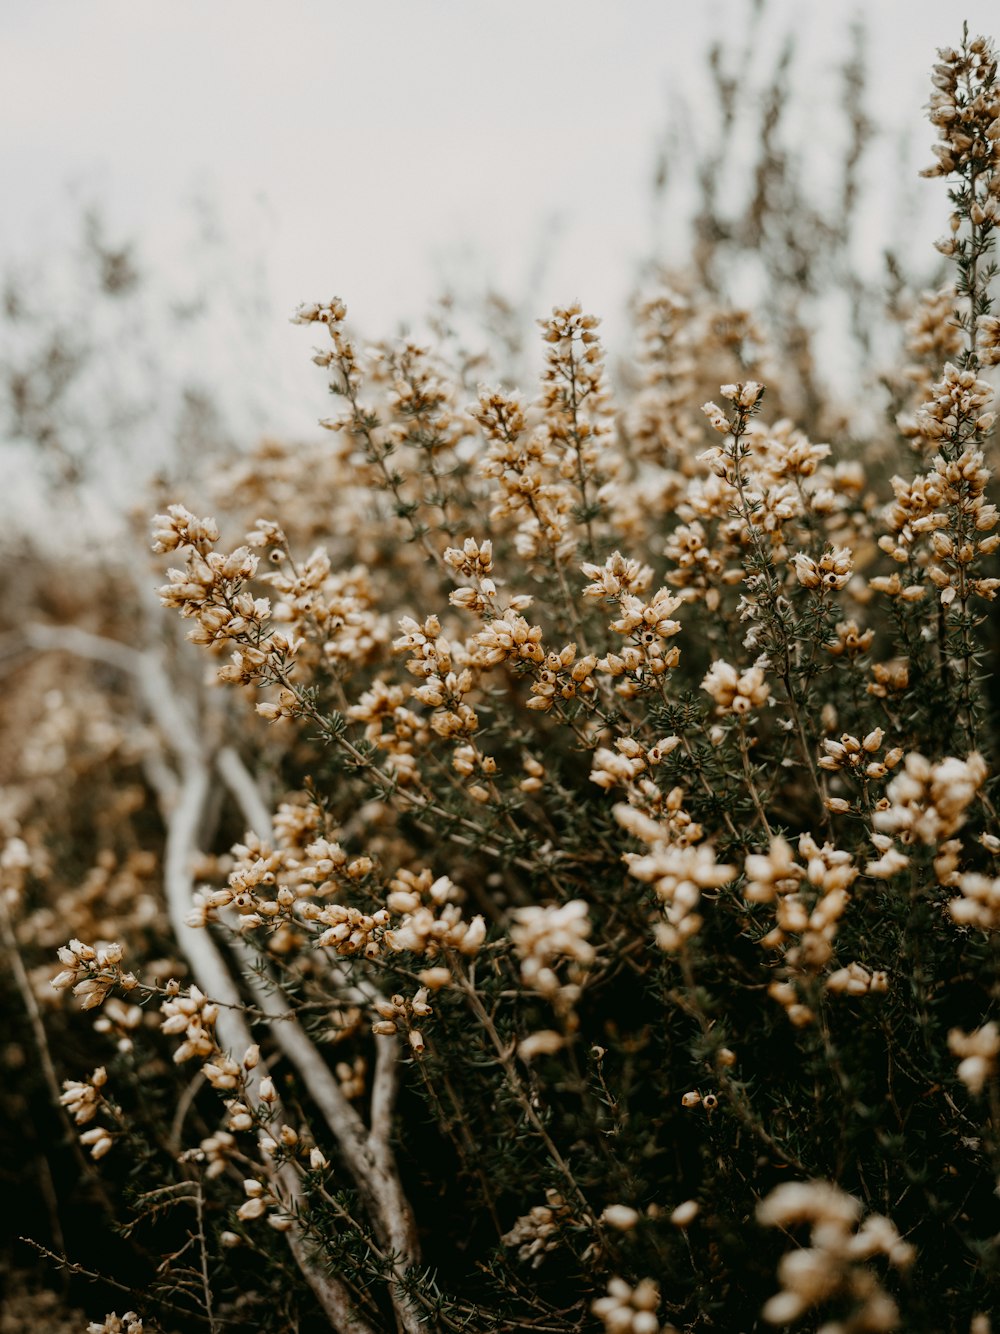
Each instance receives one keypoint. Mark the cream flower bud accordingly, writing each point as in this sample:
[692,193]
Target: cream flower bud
[543,1043]
[685,1213]
[620,1217]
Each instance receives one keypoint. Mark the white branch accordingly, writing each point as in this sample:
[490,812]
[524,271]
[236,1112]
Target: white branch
[241,783]
[214,979]
[368,1156]
[182,818]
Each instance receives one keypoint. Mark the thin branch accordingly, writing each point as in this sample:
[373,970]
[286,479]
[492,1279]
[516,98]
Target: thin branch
[368,1155]
[243,787]
[385,1085]
[30,1002]
[206,1286]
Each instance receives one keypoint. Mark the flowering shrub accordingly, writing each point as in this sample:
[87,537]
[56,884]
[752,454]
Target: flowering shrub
[582,896]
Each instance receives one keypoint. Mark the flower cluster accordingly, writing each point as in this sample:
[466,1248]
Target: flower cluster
[398,1013]
[737,693]
[947,511]
[83,1100]
[979,1051]
[965,109]
[678,872]
[828,872]
[628,1310]
[833,1265]
[537,1233]
[431,919]
[832,570]
[92,971]
[927,801]
[857,980]
[979,901]
[258,1201]
[129,1323]
[194,1016]
[543,937]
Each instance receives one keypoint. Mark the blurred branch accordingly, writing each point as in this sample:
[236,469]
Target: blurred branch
[209,968]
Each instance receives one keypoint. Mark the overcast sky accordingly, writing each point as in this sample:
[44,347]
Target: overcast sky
[379,149]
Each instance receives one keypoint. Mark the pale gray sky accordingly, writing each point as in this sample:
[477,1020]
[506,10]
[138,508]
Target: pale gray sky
[375,149]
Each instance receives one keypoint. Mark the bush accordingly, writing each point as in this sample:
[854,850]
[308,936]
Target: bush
[610,932]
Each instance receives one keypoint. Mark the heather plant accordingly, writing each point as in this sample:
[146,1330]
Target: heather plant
[572,902]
